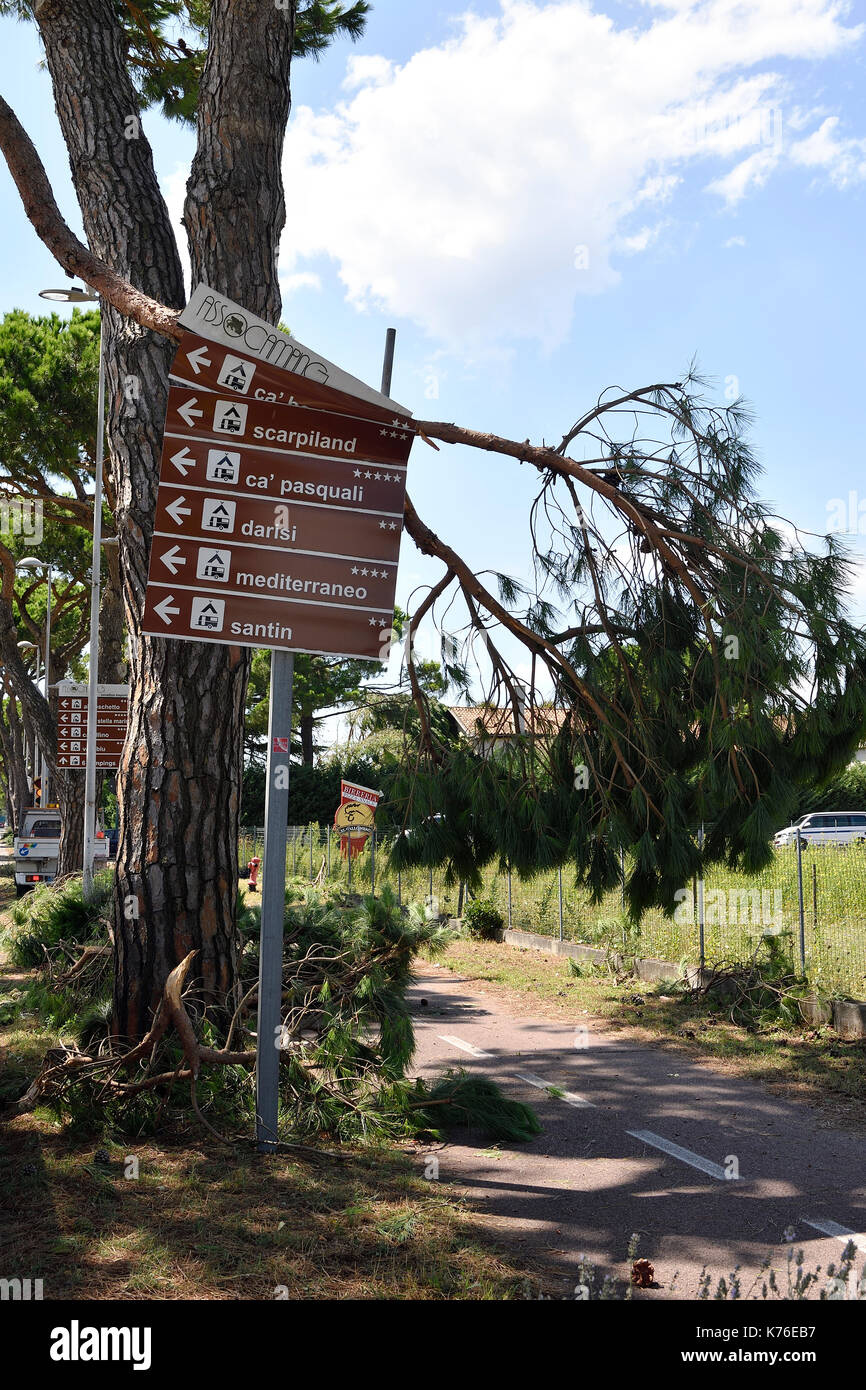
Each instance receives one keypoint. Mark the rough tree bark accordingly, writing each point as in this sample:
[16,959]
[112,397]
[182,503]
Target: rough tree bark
[179,783]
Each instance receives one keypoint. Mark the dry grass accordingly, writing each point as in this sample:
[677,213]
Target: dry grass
[196,1224]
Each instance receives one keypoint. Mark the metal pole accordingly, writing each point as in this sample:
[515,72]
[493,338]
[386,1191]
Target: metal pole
[93,666]
[388,363]
[373,864]
[800,908]
[622,877]
[329,851]
[701,902]
[814,896]
[273,900]
[349,852]
[509,897]
[46,772]
[560,902]
[311,854]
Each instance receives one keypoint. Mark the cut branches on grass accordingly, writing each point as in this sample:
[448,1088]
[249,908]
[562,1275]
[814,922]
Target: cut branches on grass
[346,1041]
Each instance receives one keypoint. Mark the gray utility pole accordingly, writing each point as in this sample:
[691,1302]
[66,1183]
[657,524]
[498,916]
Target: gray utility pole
[93,668]
[273,901]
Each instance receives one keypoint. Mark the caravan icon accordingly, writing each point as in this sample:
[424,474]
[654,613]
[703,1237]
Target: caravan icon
[207,614]
[222,467]
[218,515]
[213,564]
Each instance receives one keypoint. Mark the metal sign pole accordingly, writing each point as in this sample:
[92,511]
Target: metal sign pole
[93,668]
[273,900]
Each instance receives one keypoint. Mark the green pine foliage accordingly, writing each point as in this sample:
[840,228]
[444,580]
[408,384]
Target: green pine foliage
[702,681]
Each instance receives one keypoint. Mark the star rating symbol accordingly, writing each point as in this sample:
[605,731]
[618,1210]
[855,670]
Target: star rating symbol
[374,574]
[393,434]
[395,421]
[373,622]
[354,569]
[357,472]
[377,476]
[383,525]
[393,526]
[385,432]
[365,571]
[368,474]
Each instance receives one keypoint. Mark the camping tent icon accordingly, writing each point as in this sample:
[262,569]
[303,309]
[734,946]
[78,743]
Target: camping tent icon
[220,519]
[208,617]
[214,567]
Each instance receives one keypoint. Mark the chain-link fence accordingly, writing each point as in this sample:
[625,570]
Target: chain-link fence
[810,902]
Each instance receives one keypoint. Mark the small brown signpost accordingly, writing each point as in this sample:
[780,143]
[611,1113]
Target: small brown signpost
[112,717]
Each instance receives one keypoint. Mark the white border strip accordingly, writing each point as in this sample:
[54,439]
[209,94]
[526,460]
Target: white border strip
[656,1141]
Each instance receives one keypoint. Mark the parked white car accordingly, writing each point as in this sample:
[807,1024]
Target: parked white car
[825,828]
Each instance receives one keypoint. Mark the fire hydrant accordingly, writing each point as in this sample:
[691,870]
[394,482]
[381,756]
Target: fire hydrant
[254,873]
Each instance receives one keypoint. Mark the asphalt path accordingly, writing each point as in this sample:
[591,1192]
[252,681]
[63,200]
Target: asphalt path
[711,1170]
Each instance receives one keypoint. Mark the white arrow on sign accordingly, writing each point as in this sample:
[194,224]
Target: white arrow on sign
[176,509]
[187,413]
[172,558]
[198,359]
[164,609]
[183,461]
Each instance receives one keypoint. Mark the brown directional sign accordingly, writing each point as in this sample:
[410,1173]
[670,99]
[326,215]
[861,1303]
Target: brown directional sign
[280,504]
[271,522]
[271,570]
[211,367]
[202,463]
[112,717]
[244,620]
[289,428]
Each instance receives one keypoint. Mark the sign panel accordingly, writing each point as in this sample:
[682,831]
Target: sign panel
[297,429]
[210,367]
[287,625]
[112,718]
[216,318]
[278,520]
[355,816]
[203,463]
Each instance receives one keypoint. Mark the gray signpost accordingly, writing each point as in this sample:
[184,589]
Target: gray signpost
[273,899]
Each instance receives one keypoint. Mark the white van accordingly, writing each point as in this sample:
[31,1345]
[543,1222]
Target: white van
[825,828]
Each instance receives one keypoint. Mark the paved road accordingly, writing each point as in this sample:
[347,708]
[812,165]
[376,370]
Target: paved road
[640,1141]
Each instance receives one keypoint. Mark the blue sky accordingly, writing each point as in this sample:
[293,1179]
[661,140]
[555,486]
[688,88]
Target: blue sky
[442,174]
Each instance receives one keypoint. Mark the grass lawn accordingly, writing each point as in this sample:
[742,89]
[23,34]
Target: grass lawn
[815,1064]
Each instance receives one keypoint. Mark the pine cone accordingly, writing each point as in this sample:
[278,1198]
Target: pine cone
[642,1274]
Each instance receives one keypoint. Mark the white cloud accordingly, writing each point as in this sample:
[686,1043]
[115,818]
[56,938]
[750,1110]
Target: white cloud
[842,159]
[300,280]
[455,189]
[734,241]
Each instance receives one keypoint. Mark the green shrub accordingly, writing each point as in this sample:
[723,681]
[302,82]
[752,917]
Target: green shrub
[483,919]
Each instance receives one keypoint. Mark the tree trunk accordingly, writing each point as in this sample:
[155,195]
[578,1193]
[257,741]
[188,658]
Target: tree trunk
[69,795]
[180,777]
[307,740]
[16,771]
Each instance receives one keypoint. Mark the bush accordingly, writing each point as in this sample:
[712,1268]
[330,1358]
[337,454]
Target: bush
[483,919]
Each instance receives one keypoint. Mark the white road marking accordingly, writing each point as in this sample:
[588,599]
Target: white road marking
[832,1228]
[465,1046]
[568,1096]
[694,1160]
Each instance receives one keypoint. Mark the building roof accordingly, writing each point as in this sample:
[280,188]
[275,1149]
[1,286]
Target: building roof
[497,721]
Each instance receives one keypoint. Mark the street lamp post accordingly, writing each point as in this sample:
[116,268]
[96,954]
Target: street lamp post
[79,296]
